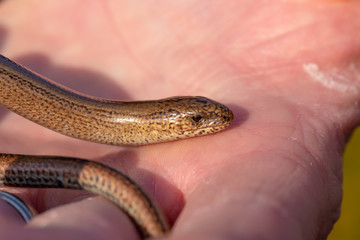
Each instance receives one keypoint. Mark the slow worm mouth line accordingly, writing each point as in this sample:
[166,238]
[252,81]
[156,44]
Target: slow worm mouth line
[92,119]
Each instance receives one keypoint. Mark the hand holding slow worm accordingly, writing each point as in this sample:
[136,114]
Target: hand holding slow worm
[275,176]
[110,122]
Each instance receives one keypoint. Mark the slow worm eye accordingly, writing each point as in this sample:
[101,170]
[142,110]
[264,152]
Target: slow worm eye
[196,118]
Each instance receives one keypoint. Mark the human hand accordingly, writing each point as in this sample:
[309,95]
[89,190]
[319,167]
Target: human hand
[287,69]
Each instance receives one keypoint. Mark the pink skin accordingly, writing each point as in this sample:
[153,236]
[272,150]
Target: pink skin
[289,70]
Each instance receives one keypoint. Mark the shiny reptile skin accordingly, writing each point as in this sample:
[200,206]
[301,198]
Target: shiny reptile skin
[111,122]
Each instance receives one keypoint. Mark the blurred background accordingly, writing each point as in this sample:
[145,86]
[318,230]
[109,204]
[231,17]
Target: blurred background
[347,228]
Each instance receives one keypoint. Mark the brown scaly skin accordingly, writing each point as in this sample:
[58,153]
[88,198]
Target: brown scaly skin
[74,173]
[103,121]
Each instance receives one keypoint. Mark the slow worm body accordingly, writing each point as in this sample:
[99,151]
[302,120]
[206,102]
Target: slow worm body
[111,122]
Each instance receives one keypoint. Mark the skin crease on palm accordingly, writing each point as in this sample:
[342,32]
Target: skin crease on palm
[288,69]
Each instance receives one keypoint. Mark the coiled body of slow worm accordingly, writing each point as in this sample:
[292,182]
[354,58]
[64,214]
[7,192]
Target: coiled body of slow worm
[111,122]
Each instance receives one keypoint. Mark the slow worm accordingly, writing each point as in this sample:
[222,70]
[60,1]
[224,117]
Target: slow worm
[111,122]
